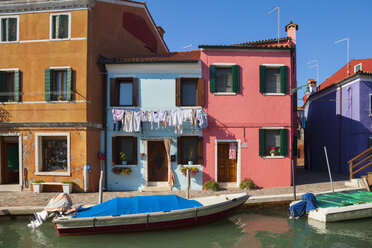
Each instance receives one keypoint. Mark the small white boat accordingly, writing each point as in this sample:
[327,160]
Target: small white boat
[104,218]
[342,206]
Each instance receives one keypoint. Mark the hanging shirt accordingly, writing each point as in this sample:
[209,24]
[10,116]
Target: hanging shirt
[117,115]
[137,121]
[128,122]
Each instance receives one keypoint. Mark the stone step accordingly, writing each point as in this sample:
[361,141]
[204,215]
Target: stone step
[157,189]
[10,187]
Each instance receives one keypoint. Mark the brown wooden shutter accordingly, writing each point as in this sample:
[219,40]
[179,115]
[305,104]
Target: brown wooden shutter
[135,150]
[179,150]
[178,91]
[200,151]
[115,155]
[135,91]
[200,90]
[113,101]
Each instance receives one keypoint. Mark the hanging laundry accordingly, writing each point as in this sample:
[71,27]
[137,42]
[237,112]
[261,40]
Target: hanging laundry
[137,121]
[154,118]
[202,119]
[162,117]
[117,115]
[232,151]
[128,122]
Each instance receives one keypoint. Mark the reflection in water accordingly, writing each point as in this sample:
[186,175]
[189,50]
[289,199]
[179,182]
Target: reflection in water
[252,228]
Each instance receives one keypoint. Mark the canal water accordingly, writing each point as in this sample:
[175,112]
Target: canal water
[246,228]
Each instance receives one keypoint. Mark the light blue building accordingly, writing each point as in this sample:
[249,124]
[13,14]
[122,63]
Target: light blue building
[149,88]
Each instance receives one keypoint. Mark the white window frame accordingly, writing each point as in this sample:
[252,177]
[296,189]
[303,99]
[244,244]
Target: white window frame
[1,31]
[238,164]
[59,68]
[274,66]
[355,67]
[273,128]
[51,26]
[38,155]
[224,65]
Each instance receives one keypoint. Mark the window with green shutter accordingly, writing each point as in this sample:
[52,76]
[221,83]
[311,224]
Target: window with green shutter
[58,84]
[273,79]
[224,79]
[262,79]
[9,29]
[273,142]
[9,86]
[60,26]
[48,84]
[284,79]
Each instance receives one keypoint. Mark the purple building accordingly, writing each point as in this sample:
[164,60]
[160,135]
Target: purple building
[339,116]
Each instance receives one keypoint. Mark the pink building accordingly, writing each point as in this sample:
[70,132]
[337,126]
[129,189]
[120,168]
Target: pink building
[251,113]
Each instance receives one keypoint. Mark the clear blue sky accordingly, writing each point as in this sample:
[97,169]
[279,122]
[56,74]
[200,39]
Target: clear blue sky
[321,23]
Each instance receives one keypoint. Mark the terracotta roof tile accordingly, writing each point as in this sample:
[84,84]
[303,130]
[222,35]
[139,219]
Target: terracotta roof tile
[342,73]
[270,43]
[175,57]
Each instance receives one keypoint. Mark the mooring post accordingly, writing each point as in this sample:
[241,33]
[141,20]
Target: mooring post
[100,184]
[187,183]
[329,169]
[293,181]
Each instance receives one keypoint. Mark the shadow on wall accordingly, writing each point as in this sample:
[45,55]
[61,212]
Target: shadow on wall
[355,138]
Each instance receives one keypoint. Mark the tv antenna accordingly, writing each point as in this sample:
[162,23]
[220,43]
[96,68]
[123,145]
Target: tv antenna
[347,55]
[278,8]
[315,64]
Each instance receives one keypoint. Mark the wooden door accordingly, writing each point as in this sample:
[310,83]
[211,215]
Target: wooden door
[10,164]
[157,161]
[226,167]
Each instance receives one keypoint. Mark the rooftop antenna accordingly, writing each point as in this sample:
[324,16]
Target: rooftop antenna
[187,46]
[278,8]
[347,56]
[317,68]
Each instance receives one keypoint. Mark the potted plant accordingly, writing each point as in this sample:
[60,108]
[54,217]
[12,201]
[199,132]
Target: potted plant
[190,156]
[67,187]
[38,186]
[193,170]
[123,158]
[60,98]
[272,151]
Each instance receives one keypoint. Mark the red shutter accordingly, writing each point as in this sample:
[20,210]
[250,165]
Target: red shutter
[113,94]
[200,90]
[178,91]
[135,91]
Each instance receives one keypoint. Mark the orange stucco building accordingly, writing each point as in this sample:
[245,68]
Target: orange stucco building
[51,90]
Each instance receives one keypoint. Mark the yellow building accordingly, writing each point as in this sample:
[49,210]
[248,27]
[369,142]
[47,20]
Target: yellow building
[51,86]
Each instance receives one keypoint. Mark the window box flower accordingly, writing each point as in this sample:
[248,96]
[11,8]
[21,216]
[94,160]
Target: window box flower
[193,170]
[122,170]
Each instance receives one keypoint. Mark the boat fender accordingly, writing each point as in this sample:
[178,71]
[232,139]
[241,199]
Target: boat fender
[196,213]
[227,198]
[147,221]
[94,224]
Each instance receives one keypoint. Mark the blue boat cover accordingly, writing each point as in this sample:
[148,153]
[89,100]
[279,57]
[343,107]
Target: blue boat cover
[137,205]
[308,202]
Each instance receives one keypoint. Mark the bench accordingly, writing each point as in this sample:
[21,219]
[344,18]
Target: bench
[66,187]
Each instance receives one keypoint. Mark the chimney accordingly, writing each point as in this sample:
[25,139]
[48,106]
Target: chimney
[291,31]
[161,31]
[311,87]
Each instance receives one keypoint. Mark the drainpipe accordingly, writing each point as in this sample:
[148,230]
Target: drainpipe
[340,134]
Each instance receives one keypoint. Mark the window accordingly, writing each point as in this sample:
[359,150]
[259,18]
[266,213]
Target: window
[52,154]
[126,144]
[273,79]
[358,67]
[58,84]
[190,148]
[9,29]
[224,79]
[9,86]
[189,92]
[273,142]
[60,24]
[124,92]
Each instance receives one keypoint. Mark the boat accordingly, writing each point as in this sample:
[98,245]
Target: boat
[144,213]
[341,206]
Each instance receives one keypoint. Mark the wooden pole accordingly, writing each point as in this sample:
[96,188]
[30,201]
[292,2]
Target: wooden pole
[329,169]
[100,183]
[187,183]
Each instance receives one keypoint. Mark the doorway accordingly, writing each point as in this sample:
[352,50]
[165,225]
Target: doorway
[227,161]
[9,160]
[157,162]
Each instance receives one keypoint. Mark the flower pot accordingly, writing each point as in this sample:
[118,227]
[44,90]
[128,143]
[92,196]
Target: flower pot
[272,154]
[124,162]
[38,188]
[67,188]
[190,162]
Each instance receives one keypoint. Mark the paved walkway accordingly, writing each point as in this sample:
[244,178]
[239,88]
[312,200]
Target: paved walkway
[306,181]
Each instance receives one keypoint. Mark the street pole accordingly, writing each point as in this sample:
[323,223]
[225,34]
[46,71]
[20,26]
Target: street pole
[329,170]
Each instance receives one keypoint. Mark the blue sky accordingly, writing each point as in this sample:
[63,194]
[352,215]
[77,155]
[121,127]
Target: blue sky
[321,23]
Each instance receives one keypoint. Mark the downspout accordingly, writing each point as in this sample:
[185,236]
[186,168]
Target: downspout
[340,134]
